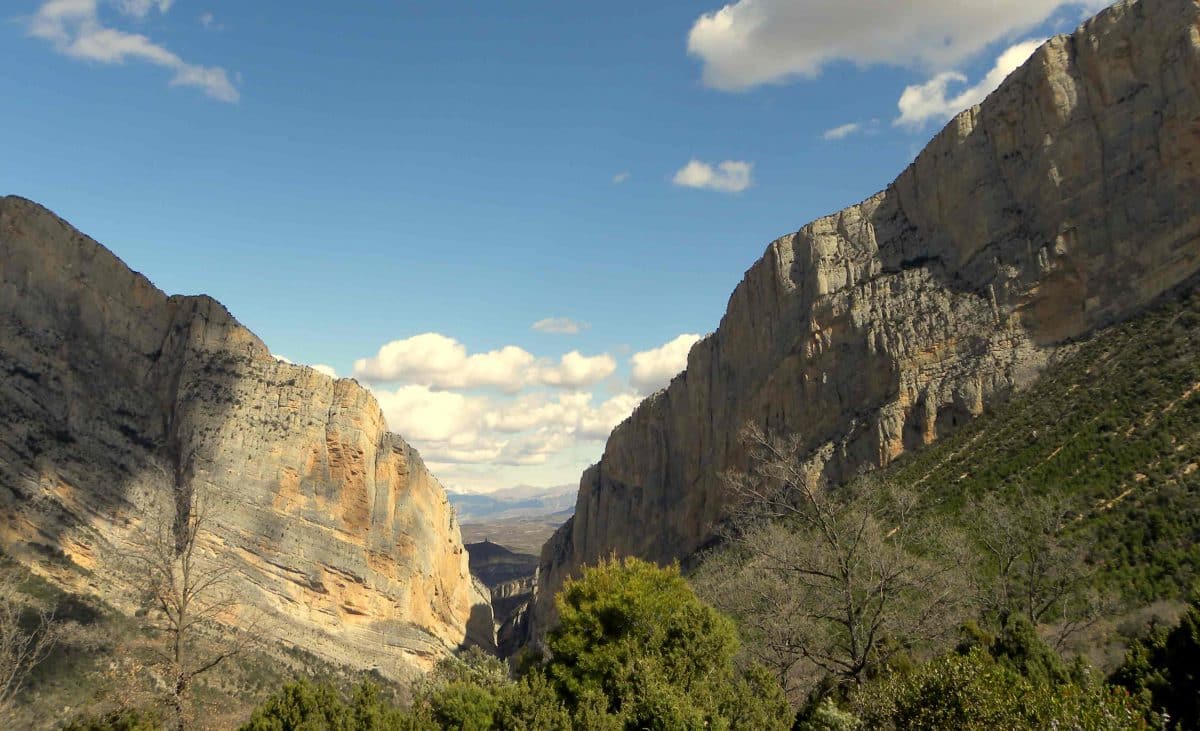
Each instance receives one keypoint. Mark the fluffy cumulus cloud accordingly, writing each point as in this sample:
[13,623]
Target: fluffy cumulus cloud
[502,410]
[455,428]
[424,415]
[752,42]
[471,412]
[435,360]
[534,411]
[560,326]
[652,369]
[933,101]
[730,176]
[75,29]
[534,449]
[575,370]
[599,422]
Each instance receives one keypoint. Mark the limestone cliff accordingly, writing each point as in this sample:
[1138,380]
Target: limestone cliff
[114,394]
[1066,201]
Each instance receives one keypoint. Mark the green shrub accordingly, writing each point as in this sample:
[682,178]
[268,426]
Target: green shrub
[531,705]
[1164,669]
[462,705]
[974,691]
[637,635]
[305,706]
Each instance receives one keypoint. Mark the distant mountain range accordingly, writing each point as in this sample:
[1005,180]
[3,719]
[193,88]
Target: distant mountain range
[522,501]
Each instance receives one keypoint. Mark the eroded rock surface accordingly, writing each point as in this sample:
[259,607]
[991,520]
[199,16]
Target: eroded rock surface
[114,394]
[1067,201]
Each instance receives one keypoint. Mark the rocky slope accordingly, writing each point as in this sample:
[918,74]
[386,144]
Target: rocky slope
[508,575]
[1065,202]
[117,399]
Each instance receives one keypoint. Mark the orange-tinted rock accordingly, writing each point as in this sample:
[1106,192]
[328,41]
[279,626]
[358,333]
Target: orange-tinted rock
[113,393]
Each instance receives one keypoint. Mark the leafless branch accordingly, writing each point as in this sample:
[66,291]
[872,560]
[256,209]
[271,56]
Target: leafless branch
[837,579]
[27,635]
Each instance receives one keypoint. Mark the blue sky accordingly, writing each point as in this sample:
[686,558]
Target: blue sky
[441,176]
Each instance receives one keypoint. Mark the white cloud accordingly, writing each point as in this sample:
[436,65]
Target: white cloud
[538,410]
[573,413]
[142,8]
[575,370]
[535,448]
[560,326]
[326,369]
[318,367]
[752,42]
[652,369]
[543,419]
[435,360]
[209,21]
[922,103]
[599,422]
[75,30]
[621,178]
[456,428]
[730,176]
[842,132]
[424,415]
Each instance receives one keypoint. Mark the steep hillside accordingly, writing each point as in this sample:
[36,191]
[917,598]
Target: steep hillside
[507,574]
[118,399]
[1114,425]
[1064,203]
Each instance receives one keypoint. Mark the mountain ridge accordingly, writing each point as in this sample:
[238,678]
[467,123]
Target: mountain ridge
[517,502]
[120,397]
[1063,203]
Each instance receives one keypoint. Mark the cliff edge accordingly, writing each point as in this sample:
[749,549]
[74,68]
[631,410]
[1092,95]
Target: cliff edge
[1067,201]
[116,396]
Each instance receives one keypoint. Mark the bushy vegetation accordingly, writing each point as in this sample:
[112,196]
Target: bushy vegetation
[1163,669]
[635,650]
[1011,680]
[975,691]
[1113,429]
[938,593]
[638,650]
[1072,502]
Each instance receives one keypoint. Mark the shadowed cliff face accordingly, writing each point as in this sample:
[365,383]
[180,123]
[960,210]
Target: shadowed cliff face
[115,395]
[1065,202]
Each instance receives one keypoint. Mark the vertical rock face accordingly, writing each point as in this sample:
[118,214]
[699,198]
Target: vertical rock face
[116,396]
[1066,201]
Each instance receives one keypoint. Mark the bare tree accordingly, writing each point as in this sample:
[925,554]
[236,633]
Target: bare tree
[27,635]
[189,596]
[829,582]
[1032,563]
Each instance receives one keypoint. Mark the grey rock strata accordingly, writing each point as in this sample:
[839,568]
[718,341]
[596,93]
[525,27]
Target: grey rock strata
[1065,202]
[114,394]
